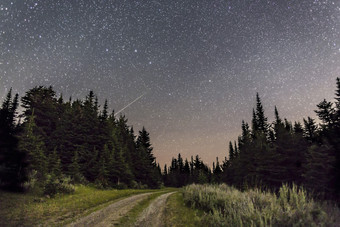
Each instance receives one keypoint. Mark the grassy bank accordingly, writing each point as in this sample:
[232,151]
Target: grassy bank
[29,210]
[226,206]
[177,214]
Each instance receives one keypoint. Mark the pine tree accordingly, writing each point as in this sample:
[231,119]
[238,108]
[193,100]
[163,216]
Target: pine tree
[67,137]
[284,162]
[90,123]
[279,126]
[6,123]
[180,163]
[336,138]
[310,129]
[121,171]
[245,138]
[43,102]
[34,147]
[147,170]
[12,161]
[260,117]
[13,112]
[54,164]
[298,128]
[326,112]
[337,94]
[104,114]
[165,175]
[319,170]
[217,172]
[231,152]
[102,165]
[254,121]
[235,149]
[186,173]
[74,169]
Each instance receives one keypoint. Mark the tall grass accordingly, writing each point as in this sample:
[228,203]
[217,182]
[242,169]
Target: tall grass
[227,206]
[177,214]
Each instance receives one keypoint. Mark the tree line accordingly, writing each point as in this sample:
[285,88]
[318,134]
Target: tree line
[268,155]
[54,139]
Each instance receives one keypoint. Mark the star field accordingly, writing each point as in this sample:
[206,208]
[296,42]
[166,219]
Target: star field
[199,63]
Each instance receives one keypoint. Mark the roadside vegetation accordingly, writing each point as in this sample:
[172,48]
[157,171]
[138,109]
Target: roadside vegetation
[29,209]
[227,206]
[178,214]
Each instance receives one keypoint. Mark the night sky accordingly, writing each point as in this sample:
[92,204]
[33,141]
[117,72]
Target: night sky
[197,64]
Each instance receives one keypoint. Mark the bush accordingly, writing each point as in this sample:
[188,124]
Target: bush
[30,184]
[56,185]
[226,206]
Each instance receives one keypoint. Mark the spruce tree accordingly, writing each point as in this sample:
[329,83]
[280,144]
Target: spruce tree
[54,164]
[262,121]
[298,128]
[43,102]
[74,168]
[33,145]
[310,129]
[337,94]
[186,172]
[165,175]
[148,173]
[102,173]
[217,172]
[104,114]
[326,113]
[12,161]
[254,121]
[279,127]
[235,149]
[231,151]
[121,171]
[319,174]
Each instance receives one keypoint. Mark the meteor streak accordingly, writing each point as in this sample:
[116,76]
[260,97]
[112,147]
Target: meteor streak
[130,104]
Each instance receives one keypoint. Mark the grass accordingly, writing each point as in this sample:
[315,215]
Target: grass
[227,206]
[177,214]
[30,210]
[132,216]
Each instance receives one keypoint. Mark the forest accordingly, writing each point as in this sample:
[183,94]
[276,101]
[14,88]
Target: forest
[55,143]
[270,154]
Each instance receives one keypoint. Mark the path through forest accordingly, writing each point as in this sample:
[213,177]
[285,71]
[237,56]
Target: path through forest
[153,214]
[110,215]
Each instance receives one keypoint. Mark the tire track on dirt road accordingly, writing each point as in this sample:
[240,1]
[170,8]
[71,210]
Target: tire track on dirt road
[110,215]
[153,214]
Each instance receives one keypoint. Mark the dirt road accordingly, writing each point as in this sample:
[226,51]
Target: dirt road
[152,216]
[110,215]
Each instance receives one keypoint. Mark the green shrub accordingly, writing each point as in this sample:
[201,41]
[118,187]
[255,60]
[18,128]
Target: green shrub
[31,181]
[56,185]
[226,206]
